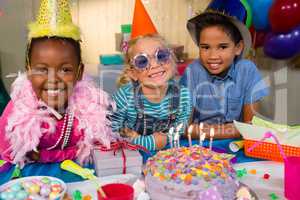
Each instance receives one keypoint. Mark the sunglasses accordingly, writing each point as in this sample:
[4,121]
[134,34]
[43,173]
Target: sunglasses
[142,61]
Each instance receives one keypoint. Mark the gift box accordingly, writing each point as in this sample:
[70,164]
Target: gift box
[114,162]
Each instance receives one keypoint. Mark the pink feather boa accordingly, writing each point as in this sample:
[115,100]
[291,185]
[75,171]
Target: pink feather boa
[88,103]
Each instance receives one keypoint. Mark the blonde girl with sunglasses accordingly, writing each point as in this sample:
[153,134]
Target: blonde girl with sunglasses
[149,100]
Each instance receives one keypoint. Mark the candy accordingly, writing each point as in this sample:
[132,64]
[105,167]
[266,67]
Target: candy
[45,190]
[20,195]
[252,171]
[53,195]
[45,180]
[33,189]
[87,197]
[16,187]
[266,176]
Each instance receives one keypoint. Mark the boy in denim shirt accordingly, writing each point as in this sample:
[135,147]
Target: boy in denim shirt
[224,87]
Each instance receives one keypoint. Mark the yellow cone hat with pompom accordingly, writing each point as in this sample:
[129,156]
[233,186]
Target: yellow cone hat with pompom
[54,19]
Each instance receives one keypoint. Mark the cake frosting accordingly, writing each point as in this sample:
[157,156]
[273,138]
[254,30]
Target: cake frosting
[189,173]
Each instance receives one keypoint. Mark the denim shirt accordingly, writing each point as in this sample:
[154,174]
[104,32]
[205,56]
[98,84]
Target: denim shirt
[220,100]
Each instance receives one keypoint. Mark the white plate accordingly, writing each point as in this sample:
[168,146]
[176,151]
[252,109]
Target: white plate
[264,187]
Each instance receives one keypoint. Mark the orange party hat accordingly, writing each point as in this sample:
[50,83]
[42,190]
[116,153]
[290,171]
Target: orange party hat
[142,23]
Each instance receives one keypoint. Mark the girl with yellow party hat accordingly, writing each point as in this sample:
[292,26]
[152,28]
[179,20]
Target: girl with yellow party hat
[56,112]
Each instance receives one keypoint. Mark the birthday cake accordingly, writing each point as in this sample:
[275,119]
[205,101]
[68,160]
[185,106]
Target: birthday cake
[189,173]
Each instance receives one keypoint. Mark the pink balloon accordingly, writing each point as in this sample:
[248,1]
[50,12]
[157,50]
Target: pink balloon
[284,15]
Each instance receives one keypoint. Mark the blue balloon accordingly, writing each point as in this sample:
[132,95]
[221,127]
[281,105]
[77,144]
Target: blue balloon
[260,12]
[230,7]
[283,46]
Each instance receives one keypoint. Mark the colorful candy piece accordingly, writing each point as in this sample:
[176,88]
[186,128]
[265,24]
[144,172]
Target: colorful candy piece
[16,187]
[273,196]
[77,195]
[45,190]
[21,195]
[87,197]
[252,171]
[266,176]
[45,180]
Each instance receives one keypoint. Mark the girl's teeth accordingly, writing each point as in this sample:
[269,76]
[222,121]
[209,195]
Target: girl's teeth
[53,92]
[156,74]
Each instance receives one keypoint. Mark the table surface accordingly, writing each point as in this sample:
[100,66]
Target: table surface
[262,187]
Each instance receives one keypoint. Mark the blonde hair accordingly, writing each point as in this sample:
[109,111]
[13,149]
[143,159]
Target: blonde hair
[124,77]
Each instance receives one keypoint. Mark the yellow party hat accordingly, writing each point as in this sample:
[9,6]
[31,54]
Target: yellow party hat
[54,19]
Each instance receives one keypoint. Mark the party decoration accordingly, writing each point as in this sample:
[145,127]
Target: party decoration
[259,37]
[241,172]
[201,134]
[284,15]
[237,8]
[54,19]
[273,196]
[211,135]
[283,46]
[260,11]
[190,131]
[170,136]
[249,17]
[266,176]
[142,23]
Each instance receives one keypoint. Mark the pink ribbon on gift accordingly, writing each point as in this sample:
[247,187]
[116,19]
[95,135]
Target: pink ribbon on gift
[266,136]
[122,145]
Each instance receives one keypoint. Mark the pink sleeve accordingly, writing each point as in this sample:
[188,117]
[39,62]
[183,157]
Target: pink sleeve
[56,155]
[4,143]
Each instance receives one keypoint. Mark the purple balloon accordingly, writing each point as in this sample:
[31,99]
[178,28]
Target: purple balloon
[283,46]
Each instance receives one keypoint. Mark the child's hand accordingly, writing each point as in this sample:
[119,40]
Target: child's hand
[126,132]
[33,155]
[160,140]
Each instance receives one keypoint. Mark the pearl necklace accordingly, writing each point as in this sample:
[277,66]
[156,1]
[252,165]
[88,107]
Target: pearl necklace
[65,131]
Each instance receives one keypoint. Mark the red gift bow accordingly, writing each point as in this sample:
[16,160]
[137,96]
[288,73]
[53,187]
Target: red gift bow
[115,146]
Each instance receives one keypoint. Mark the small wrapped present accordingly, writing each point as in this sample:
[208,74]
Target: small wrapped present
[121,158]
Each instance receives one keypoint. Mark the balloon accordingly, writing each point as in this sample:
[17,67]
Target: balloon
[260,11]
[249,13]
[258,37]
[284,15]
[230,7]
[282,46]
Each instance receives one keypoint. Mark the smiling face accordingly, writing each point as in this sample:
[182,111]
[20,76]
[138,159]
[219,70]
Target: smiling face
[217,50]
[53,71]
[156,74]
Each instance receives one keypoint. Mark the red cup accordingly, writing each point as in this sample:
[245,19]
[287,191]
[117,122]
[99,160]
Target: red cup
[117,191]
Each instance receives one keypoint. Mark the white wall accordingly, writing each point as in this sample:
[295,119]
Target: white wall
[16,14]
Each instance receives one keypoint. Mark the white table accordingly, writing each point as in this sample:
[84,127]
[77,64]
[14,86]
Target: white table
[261,186]
[90,187]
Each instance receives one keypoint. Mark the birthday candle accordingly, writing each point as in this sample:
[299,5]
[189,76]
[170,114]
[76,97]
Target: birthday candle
[170,136]
[202,138]
[211,135]
[177,135]
[190,131]
[200,133]
[176,139]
